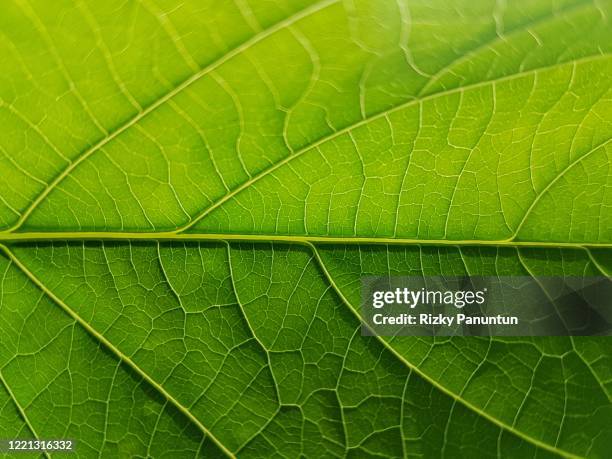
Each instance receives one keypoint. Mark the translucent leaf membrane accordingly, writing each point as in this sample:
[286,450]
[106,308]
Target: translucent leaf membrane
[191,193]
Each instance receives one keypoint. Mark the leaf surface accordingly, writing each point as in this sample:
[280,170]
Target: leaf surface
[191,193]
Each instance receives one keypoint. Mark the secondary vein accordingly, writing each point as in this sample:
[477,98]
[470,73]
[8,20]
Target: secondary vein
[166,97]
[20,410]
[456,397]
[120,355]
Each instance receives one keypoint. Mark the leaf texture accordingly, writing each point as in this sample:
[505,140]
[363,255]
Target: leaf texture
[192,191]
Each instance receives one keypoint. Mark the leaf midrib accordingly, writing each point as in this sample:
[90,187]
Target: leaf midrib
[170,236]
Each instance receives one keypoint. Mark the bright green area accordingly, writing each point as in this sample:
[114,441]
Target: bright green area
[407,121]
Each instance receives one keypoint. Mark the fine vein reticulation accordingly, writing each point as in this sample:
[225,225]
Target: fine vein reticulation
[192,192]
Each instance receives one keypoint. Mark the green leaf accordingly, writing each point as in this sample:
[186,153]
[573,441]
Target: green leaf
[191,192]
